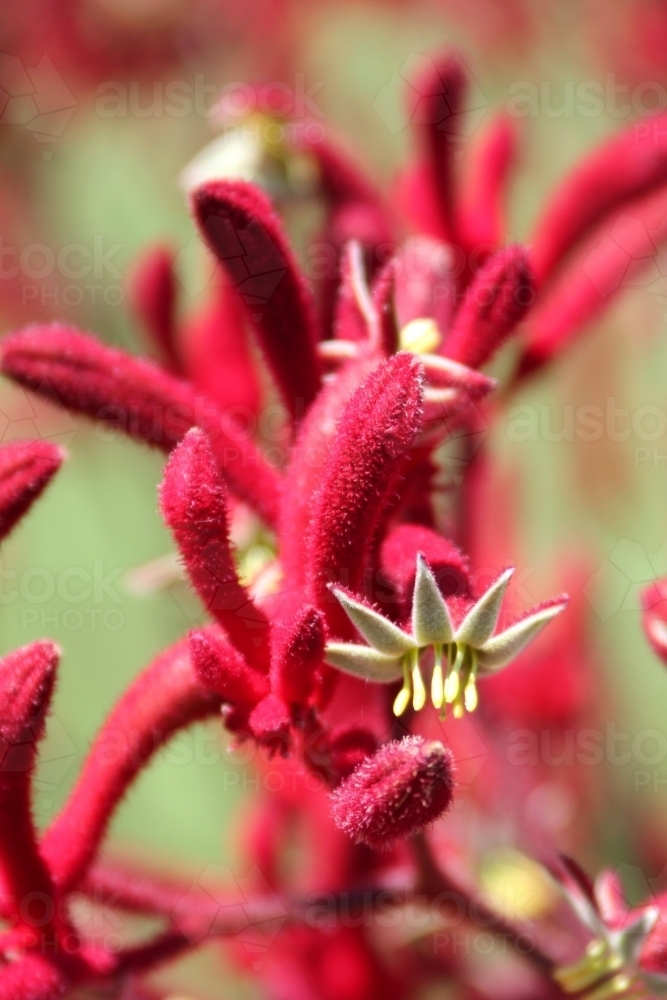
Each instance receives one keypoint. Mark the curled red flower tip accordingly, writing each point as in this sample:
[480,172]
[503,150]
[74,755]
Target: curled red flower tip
[495,302]
[26,682]
[395,793]
[152,293]
[26,468]
[193,500]
[239,225]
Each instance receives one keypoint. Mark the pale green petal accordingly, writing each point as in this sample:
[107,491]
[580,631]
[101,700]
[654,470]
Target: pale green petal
[431,623]
[497,652]
[478,625]
[362,661]
[382,634]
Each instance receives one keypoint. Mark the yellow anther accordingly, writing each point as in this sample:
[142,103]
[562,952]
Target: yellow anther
[470,695]
[418,689]
[420,336]
[453,682]
[458,710]
[402,699]
[437,682]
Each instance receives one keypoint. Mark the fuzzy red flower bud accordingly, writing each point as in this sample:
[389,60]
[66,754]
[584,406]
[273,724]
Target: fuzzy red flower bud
[297,650]
[26,468]
[495,302]
[220,668]
[152,293]
[239,225]
[366,459]
[395,793]
[193,500]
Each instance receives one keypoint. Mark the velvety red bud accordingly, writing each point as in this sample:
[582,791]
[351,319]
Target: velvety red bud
[239,225]
[654,616]
[164,698]
[620,170]
[398,558]
[395,793]
[435,104]
[152,295]
[193,500]
[496,300]
[270,723]
[26,686]
[297,650]
[26,468]
[358,482]
[220,668]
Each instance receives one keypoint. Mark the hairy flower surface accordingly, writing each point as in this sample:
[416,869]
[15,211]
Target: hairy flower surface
[395,793]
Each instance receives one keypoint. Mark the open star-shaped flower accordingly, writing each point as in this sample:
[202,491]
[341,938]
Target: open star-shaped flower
[461,652]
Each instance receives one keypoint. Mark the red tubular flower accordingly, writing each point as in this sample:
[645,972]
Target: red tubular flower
[482,211]
[26,686]
[193,500]
[437,106]
[26,468]
[304,473]
[495,302]
[136,397]
[166,697]
[620,170]
[654,616]
[86,376]
[374,434]
[240,227]
[592,279]
[152,293]
[395,793]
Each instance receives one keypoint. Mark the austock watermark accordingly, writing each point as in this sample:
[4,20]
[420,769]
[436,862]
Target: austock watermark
[70,275]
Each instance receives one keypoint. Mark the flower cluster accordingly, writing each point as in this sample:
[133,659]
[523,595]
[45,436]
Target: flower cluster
[377,371]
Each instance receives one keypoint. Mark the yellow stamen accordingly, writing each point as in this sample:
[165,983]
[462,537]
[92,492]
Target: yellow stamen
[420,336]
[403,697]
[452,683]
[470,694]
[418,689]
[437,683]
